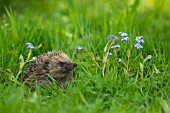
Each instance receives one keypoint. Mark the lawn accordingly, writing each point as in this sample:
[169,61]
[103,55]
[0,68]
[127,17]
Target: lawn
[125,81]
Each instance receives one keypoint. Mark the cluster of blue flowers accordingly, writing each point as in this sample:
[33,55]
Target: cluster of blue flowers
[139,40]
[124,38]
[29,46]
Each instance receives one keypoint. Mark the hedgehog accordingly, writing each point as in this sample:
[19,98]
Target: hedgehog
[55,64]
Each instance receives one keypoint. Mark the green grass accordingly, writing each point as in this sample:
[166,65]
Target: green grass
[64,25]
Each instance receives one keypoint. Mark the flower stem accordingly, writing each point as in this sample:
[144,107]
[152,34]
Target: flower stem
[105,57]
[92,56]
[29,54]
[22,63]
[20,69]
[103,69]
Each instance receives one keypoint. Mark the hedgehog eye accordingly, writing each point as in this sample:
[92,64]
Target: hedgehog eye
[61,64]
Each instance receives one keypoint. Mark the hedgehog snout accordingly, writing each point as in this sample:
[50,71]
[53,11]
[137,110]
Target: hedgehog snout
[74,65]
[70,66]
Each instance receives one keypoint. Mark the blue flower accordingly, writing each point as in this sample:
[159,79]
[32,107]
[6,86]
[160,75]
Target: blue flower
[139,39]
[119,60]
[125,39]
[149,57]
[30,45]
[34,58]
[79,48]
[138,46]
[123,34]
[109,54]
[112,37]
[116,46]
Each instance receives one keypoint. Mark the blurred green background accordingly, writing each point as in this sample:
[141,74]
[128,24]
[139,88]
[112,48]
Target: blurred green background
[66,24]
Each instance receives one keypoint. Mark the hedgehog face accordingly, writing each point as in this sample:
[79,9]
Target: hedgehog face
[61,66]
[66,67]
[63,63]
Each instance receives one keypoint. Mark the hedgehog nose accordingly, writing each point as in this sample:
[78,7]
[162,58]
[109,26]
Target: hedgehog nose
[70,66]
[74,65]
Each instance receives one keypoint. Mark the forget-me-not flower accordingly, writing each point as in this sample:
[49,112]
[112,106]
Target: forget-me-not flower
[79,48]
[30,45]
[149,57]
[138,46]
[112,37]
[115,47]
[109,54]
[34,58]
[125,39]
[139,39]
[123,34]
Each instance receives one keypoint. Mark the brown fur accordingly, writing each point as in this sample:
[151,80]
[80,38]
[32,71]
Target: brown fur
[56,63]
